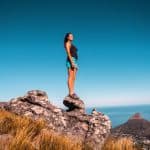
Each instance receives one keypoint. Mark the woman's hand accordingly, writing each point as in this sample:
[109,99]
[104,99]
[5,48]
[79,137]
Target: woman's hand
[74,66]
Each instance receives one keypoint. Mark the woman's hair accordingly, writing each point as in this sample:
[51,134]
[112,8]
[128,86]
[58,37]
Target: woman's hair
[66,37]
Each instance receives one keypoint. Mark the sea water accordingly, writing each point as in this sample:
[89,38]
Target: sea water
[121,114]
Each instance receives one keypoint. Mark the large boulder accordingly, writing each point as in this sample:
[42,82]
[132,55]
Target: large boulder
[91,128]
[74,104]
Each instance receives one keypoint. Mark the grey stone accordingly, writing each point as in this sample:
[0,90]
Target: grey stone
[91,128]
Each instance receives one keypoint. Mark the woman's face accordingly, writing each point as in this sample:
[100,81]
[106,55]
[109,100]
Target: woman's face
[70,37]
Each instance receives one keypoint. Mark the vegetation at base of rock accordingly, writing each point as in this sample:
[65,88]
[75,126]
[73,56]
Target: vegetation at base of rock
[121,143]
[21,132]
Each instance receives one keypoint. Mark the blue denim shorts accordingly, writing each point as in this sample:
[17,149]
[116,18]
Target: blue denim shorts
[68,63]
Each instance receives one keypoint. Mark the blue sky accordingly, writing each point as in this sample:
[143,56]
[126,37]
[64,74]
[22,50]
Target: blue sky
[112,38]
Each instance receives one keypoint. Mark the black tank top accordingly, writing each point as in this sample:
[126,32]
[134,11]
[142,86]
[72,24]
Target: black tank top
[73,52]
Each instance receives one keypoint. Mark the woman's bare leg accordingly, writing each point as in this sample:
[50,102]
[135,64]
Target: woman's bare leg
[70,81]
[74,76]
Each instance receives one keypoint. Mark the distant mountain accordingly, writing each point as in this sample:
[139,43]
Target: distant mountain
[137,127]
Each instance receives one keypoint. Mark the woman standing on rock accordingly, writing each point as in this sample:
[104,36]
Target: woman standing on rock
[71,63]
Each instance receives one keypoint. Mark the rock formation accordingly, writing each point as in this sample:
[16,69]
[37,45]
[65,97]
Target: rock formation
[74,104]
[91,128]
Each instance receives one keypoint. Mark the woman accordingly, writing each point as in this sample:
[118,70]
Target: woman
[71,63]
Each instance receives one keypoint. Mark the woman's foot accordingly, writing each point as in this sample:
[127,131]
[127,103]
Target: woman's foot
[74,96]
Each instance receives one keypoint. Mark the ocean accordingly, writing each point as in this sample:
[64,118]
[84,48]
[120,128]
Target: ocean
[120,114]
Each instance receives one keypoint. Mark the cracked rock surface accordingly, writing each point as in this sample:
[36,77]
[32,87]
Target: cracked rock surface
[92,128]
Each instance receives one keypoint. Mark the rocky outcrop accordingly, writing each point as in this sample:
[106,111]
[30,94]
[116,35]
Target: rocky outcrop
[91,128]
[137,127]
[136,116]
[3,105]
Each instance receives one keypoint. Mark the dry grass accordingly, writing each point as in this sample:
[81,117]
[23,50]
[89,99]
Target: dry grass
[122,143]
[28,134]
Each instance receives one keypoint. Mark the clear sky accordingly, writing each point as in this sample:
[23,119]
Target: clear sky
[113,41]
